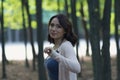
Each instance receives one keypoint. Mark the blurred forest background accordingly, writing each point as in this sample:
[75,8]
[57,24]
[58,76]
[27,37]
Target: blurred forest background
[94,21]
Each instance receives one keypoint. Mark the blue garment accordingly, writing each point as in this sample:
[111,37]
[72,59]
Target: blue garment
[52,67]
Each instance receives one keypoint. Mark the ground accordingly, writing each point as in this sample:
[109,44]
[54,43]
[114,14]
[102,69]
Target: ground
[16,70]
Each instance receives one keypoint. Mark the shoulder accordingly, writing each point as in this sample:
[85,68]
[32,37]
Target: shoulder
[66,44]
[67,49]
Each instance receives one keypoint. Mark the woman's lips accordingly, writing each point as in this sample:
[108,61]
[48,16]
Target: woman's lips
[53,34]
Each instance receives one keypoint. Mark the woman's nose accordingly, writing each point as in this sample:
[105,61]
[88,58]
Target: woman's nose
[54,28]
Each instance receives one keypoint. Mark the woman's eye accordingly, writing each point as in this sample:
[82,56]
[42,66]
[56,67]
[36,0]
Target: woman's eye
[51,24]
[58,26]
[55,25]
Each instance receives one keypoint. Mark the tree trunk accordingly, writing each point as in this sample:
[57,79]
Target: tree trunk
[41,68]
[31,33]
[74,21]
[117,24]
[25,34]
[85,28]
[66,8]
[58,3]
[106,41]
[75,27]
[94,18]
[4,76]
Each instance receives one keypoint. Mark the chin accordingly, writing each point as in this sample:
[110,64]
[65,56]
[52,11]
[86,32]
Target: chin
[53,37]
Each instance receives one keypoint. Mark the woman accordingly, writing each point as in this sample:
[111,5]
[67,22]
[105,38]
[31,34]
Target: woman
[63,63]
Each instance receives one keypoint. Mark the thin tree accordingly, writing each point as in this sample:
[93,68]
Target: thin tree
[4,75]
[25,34]
[94,19]
[75,26]
[41,68]
[106,41]
[58,3]
[66,8]
[85,28]
[31,33]
[74,21]
[117,35]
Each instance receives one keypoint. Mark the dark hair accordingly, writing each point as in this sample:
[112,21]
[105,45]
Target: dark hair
[67,26]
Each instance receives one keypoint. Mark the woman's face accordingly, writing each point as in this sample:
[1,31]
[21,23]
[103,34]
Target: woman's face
[56,31]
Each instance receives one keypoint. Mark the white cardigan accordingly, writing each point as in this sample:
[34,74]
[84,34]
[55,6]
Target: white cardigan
[68,63]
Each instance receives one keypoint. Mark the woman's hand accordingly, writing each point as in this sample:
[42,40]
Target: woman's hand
[48,50]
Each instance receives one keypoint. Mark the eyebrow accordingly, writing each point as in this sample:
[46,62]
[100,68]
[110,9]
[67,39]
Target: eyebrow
[54,23]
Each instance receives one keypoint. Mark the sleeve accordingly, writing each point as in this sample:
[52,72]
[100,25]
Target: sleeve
[69,60]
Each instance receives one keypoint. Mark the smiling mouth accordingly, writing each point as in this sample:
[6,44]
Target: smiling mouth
[53,34]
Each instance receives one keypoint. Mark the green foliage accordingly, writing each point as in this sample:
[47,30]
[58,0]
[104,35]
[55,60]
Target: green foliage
[51,5]
[112,26]
[34,24]
[13,12]
[32,6]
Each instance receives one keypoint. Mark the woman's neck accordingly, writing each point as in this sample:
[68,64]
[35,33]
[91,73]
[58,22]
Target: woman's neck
[58,43]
